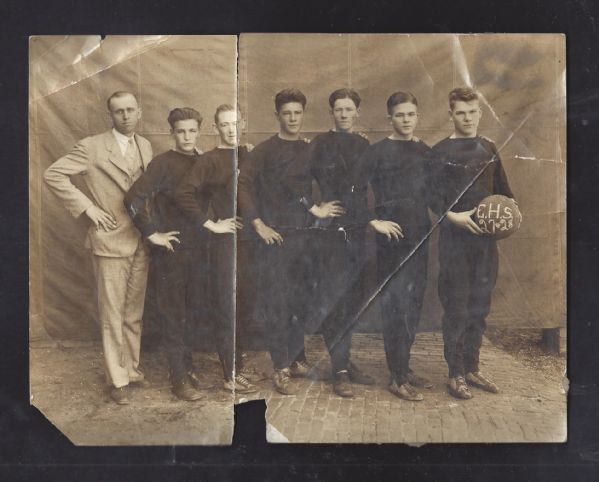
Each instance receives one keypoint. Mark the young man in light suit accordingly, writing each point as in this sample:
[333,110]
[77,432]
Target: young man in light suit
[110,163]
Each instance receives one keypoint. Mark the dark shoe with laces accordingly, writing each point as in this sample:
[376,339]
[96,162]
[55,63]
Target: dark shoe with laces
[143,383]
[184,390]
[478,380]
[405,391]
[342,384]
[240,385]
[458,388]
[358,376]
[198,383]
[418,381]
[282,382]
[120,395]
[299,369]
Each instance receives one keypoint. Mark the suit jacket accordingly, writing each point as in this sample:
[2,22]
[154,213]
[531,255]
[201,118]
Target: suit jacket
[103,168]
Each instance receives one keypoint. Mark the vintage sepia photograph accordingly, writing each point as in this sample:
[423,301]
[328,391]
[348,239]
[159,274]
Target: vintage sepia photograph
[409,193]
[125,346]
[367,231]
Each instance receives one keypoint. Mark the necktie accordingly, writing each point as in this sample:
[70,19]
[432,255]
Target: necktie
[132,157]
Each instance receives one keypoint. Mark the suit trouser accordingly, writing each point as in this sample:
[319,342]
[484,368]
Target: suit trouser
[121,286]
[283,297]
[341,292]
[401,301]
[467,275]
[182,298]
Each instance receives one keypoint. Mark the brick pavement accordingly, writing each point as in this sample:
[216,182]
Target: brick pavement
[531,407]
[67,385]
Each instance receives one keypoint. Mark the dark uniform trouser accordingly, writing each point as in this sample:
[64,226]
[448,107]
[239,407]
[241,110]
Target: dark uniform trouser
[341,268]
[247,290]
[221,302]
[282,297]
[401,301]
[468,273]
[181,299]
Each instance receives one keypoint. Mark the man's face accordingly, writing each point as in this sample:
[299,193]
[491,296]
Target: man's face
[227,128]
[465,117]
[125,114]
[344,113]
[186,134]
[291,117]
[404,118]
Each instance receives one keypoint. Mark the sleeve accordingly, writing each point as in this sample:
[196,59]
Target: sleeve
[58,178]
[188,191]
[500,181]
[246,191]
[138,198]
[365,170]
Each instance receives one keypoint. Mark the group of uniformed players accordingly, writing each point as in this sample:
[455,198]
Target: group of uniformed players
[307,250]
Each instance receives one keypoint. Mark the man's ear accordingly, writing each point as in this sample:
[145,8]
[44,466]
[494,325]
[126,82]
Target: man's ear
[215,129]
[358,112]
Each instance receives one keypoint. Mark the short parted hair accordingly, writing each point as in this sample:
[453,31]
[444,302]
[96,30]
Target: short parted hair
[222,108]
[289,95]
[345,94]
[118,94]
[464,94]
[400,98]
[183,113]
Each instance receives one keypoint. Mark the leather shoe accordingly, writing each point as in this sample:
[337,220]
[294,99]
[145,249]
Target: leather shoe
[120,395]
[478,380]
[358,376]
[342,385]
[143,383]
[299,369]
[183,390]
[458,388]
[418,381]
[405,391]
[282,382]
[197,383]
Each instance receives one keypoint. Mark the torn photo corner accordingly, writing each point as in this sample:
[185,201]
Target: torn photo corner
[365,230]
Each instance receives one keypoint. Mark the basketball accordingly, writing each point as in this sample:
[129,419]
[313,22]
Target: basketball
[498,216]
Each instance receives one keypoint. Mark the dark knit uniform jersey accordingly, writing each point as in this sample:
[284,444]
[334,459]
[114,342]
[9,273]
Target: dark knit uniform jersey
[211,182]
[332,161]
[398,172]
[466,170]
[270,184]
[150,201]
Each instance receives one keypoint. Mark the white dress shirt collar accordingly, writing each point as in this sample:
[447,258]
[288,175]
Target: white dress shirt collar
[122,140]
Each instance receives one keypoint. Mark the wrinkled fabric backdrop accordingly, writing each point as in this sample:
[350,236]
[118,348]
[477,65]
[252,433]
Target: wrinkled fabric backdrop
[522,79]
